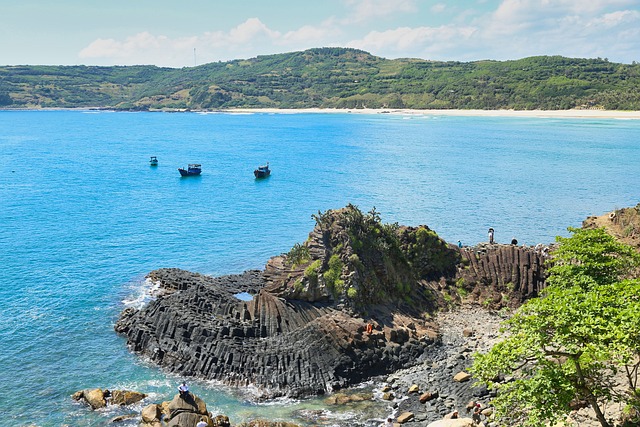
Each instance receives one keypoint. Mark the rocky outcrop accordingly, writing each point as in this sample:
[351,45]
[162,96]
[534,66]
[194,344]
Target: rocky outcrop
[97,398]
[623,224]
[352,302]
[499,276]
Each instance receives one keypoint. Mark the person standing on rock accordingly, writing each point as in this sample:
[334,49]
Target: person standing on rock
[491,235]
[477,414]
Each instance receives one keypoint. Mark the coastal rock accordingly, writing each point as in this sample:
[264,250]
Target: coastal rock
[458,422]
[97,398]
[265,423]
[462,377]
[405,417]
[151,415]
[185,411]
[355,301]
[498,276]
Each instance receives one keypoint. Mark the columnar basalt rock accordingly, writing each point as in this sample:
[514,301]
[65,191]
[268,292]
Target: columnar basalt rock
[352,302]
[502,275]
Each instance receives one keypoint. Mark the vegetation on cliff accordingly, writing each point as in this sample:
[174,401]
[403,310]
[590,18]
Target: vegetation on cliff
[365,261]
[578,343]
[330,78]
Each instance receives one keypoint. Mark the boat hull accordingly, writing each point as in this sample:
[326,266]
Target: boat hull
[261,174]
[184,172]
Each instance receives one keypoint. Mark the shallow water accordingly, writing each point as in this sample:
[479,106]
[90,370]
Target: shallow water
[83,218]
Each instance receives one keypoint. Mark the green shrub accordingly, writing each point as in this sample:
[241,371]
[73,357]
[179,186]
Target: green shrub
[332,275]
[311,272]
[299,254]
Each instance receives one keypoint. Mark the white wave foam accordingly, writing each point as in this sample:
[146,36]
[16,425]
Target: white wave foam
[143,293]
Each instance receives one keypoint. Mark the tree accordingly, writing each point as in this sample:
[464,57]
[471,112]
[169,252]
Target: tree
[574,343]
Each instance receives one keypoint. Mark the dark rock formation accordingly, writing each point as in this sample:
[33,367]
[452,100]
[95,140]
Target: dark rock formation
[501,275]
[350,303]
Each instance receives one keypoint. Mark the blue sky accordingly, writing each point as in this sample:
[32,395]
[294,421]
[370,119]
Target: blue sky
[165,33]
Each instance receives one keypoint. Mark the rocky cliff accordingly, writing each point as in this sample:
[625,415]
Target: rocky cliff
[352,302]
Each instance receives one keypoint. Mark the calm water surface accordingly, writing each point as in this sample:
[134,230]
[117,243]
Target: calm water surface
[83,218]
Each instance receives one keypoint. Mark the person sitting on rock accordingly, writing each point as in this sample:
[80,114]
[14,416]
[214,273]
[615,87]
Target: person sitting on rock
[183,389]
[388,423]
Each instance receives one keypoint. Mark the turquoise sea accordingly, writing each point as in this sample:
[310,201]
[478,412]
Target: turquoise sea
[83,218]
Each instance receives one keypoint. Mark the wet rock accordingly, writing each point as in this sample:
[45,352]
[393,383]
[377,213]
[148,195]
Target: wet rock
[458,422]
[97,398]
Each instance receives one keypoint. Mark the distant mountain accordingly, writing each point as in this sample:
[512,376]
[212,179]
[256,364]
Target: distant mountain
[330,78]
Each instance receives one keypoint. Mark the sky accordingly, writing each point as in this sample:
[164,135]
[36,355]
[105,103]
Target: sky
[184,33]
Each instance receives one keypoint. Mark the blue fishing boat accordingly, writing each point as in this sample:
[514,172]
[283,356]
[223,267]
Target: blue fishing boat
[193,169]
[262,171]
[153,161]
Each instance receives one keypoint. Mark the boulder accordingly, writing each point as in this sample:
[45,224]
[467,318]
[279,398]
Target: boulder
[405,417]
[458,422]
[220,421]
[414,389]
[151,413]
[462,377]
[98,398]
[95,398]
[125,397]
[388,396]
[430,395]
[185,411]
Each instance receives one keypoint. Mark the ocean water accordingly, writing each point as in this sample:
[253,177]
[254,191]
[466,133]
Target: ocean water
[83,218]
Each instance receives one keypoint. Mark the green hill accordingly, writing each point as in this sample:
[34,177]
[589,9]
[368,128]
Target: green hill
[330,78]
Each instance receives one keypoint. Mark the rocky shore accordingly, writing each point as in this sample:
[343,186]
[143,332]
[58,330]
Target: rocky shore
[358,300]
[439,384]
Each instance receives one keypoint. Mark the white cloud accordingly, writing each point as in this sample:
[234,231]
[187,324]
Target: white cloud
[397,42]
[251,30]
[365,10]
[564,27]
[142,48]
[248,39]
[513,29]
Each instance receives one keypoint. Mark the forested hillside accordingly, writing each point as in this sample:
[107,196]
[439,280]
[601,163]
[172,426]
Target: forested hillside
[330,78]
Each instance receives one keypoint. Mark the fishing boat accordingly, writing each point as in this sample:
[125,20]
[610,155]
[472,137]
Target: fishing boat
[153,161]
[193,169]
[262,171]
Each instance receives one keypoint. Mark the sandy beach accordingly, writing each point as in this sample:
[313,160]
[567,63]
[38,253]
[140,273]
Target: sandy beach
[568,114]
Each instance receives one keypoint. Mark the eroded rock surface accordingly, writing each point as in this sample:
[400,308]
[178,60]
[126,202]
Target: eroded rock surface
[354,301]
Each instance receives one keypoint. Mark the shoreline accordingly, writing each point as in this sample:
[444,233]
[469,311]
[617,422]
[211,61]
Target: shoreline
[558,114]
[563,114]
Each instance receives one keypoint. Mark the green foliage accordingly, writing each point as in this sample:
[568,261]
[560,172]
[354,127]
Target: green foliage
[299,254]
[569,343]
[352,292]
[331,78]
[332,275]
[311,272]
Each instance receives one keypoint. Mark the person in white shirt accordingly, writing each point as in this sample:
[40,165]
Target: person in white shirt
[183,389]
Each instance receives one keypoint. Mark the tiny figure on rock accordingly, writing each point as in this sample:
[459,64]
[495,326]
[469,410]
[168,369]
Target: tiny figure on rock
[183,389]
